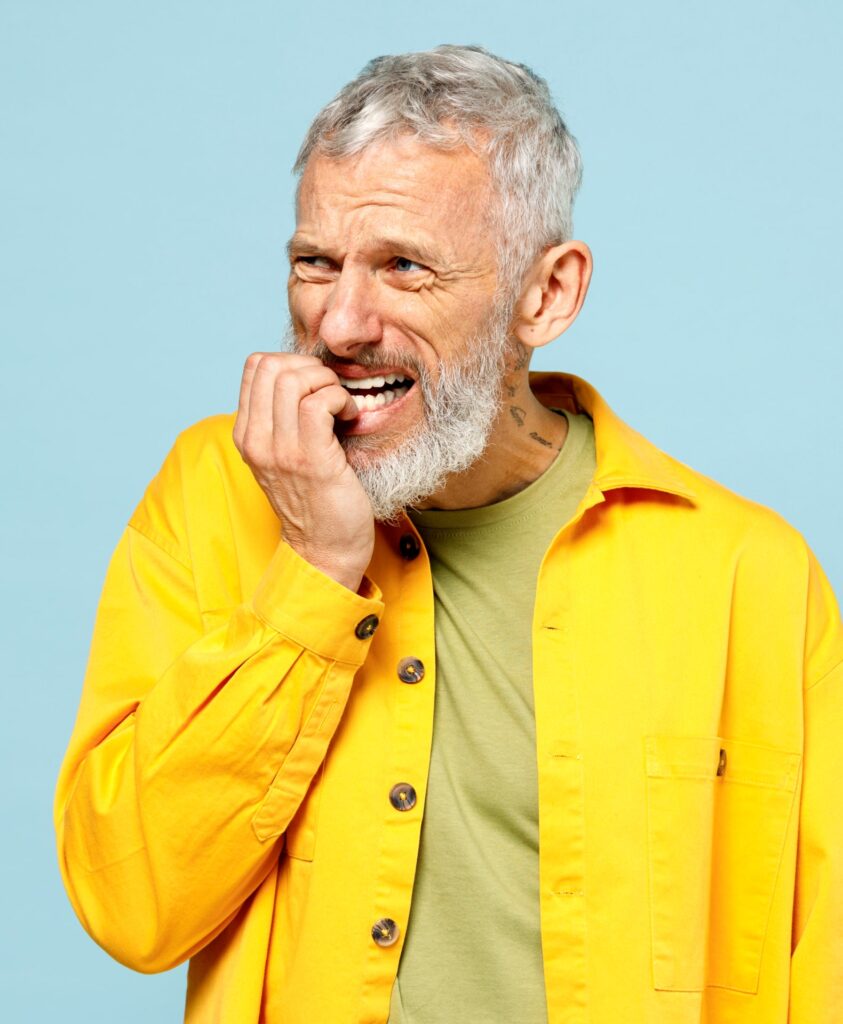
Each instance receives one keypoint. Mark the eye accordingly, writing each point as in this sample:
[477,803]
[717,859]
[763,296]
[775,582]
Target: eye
[315,261]
[403,265]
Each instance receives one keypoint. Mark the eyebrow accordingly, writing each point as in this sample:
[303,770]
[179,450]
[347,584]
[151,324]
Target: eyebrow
[419,252]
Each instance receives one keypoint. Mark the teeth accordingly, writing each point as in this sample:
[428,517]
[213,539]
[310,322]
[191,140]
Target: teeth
[371,382]
[376,401]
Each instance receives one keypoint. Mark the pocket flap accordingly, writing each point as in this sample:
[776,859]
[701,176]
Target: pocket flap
[682,757]
[756,765]
[703,757]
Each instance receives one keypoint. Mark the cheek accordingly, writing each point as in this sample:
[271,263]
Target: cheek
[444,326]
[427,319]
[306,307]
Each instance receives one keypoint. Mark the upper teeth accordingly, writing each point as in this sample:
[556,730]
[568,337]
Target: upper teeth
[372,382]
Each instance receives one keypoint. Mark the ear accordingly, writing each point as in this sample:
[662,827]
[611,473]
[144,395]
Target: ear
[553,292]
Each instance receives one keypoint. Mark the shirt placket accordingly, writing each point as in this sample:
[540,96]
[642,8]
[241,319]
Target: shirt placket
[559,749]
[410,633]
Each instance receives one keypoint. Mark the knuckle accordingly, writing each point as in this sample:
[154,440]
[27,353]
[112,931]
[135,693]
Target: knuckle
[252,451]
[312,404]
[286,463]
[286,386]
[268,363]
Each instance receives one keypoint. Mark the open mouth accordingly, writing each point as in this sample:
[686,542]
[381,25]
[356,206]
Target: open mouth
[378,391]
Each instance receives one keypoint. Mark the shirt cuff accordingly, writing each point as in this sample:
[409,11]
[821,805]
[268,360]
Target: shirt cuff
[314,611]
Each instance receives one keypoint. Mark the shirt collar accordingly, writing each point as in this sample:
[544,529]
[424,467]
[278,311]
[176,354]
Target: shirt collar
[624,457]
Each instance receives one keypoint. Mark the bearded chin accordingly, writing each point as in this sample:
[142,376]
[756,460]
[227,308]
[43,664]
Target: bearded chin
[460,407]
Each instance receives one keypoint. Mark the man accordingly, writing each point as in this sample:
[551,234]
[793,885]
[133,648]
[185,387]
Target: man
[624,804]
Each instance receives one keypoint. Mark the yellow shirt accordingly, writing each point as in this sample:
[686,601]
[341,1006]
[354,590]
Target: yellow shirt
[228,792]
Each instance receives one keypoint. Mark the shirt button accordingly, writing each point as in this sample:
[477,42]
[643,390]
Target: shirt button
[402,797]
[409,547]
[410,670]
[385,932]
[366,627]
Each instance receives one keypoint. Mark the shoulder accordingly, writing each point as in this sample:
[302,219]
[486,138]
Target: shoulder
[775,576]
[201,450]
[209,438]
[200,480]
[722,507]
[739,534]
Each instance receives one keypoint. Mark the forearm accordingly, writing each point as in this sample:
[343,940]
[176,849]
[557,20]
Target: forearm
[170,804]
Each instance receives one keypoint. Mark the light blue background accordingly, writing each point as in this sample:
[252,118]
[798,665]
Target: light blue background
[146,200]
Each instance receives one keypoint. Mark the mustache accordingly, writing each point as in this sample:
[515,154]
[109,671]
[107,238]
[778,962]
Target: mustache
[370,358]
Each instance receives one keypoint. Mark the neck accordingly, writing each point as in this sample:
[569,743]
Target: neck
[525,439]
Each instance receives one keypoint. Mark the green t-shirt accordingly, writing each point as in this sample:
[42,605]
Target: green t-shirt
[473,946]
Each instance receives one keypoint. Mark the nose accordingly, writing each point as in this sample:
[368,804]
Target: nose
[350,319]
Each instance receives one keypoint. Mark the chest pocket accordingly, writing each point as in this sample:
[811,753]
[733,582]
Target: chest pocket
[717,816]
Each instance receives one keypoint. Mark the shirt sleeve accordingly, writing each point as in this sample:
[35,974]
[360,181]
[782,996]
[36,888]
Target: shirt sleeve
[193,748]
[816,983]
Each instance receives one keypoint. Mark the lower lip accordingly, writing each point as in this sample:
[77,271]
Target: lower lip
[369,421]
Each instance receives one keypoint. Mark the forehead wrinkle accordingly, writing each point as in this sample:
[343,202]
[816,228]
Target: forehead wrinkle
[405,228]
[419,233]
[406,192]
[416,200]
[340,204]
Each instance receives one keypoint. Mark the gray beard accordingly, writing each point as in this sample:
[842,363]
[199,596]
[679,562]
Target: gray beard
[460,407]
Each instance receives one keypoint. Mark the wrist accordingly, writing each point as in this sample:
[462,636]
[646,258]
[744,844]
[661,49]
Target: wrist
[344,570]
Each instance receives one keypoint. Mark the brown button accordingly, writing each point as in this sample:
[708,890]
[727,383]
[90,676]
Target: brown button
[366,627]
[385,932]
[410,670]
[402,797]
[409,547]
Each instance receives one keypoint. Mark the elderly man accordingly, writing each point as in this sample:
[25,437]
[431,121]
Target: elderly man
[623,804]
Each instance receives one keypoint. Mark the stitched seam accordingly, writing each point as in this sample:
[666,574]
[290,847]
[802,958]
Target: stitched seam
[824,676]
[161,544]
[295,640]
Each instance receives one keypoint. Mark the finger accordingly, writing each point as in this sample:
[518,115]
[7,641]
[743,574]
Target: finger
[349,411]
[243,401]
[317,414]
[258,427]
[289,360]
[291,389]
[246,380]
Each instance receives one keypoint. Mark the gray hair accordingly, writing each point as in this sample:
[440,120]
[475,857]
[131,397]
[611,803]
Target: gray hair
[464,95]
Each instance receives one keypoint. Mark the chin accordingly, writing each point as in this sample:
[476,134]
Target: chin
[364,452]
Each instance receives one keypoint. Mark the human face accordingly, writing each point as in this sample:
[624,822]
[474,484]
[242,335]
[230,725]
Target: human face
[393,271]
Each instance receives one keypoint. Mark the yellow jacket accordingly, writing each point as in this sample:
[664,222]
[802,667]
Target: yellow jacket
[688,678]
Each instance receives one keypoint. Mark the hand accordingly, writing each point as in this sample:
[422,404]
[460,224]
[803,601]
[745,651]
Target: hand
[285,432]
